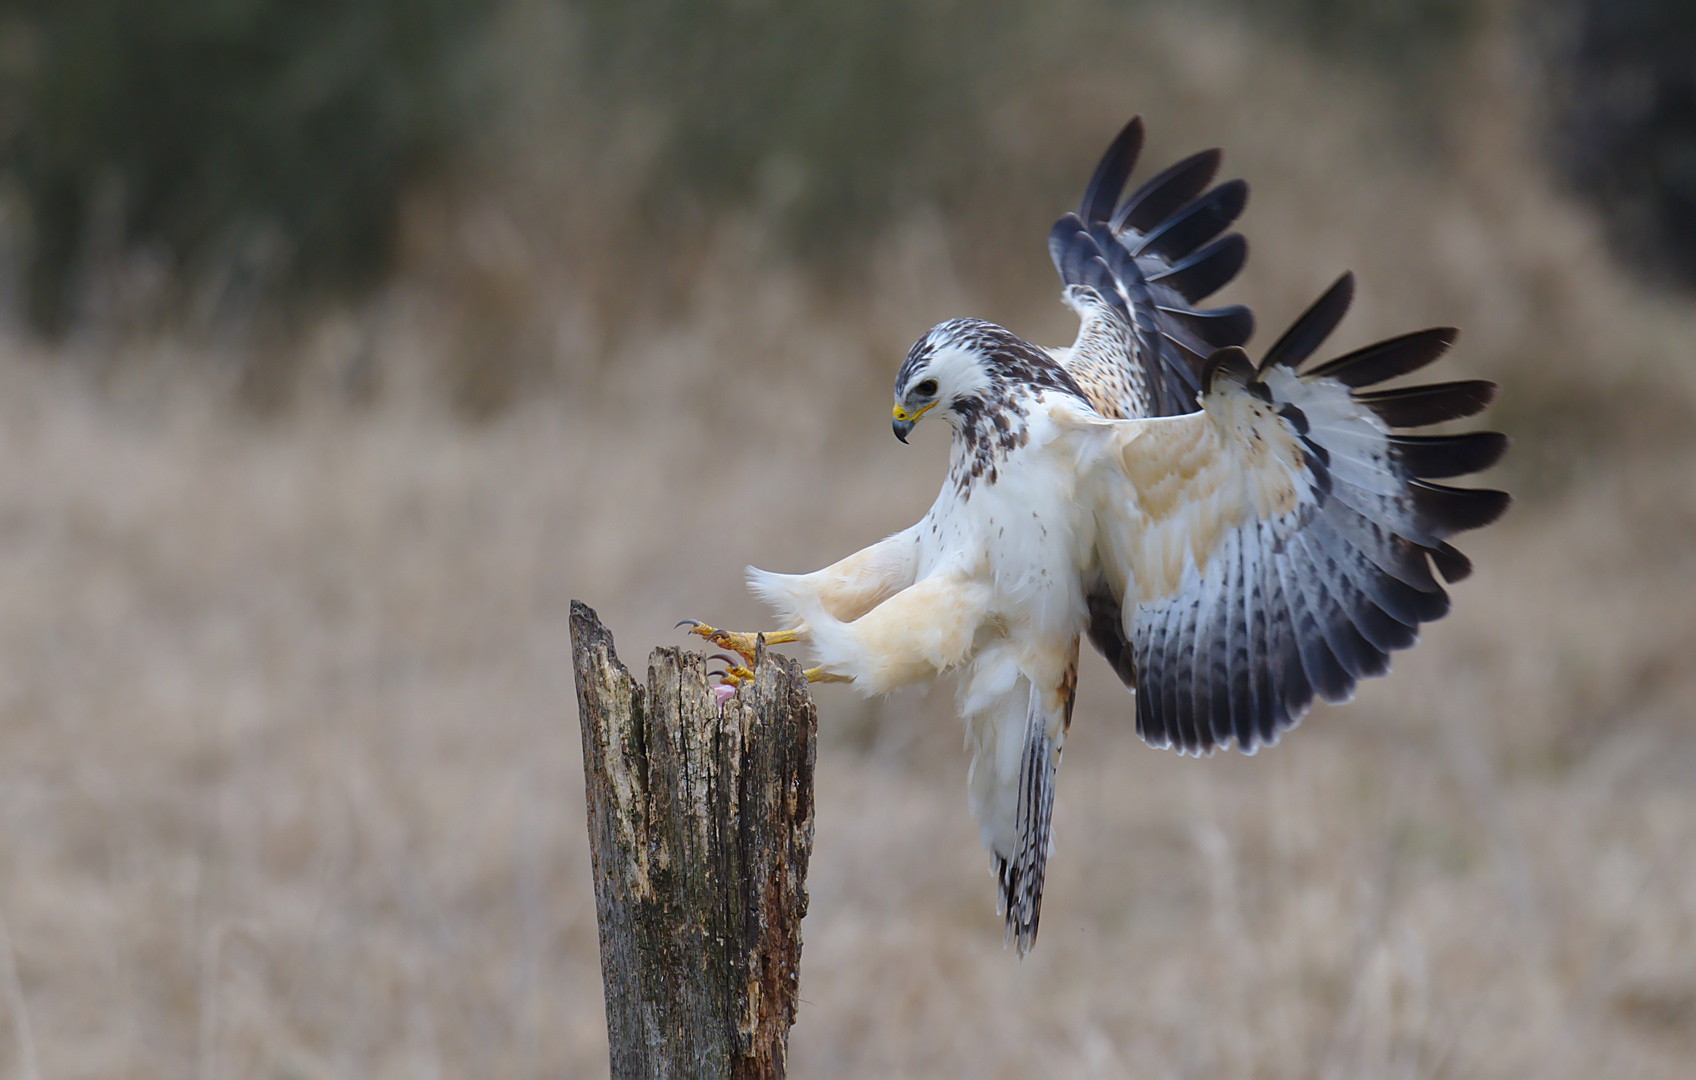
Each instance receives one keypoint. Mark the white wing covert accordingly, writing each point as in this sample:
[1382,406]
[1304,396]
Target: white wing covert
[1279,544]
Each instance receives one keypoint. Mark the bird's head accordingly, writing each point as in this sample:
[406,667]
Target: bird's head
[949,365]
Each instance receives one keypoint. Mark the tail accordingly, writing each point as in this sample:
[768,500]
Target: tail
[1020,874]
[1015,742]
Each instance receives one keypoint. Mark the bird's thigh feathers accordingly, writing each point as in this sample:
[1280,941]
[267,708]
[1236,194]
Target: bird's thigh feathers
[915,635]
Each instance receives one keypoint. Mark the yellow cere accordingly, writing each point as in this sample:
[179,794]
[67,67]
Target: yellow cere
[903,415]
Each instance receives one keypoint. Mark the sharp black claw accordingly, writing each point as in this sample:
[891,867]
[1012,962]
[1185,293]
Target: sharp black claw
[720,674]
[731,660]
[688,622]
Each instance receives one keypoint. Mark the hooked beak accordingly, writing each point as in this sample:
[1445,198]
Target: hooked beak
[904,420]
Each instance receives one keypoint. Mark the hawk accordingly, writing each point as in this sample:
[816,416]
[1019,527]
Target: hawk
[1236,537]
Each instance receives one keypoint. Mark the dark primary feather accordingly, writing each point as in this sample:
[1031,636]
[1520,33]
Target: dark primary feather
[1197,223]
[1290,683]
[1239,662]
[1105,186]
[1072,248]
[1212,661]
[1417,406]
[1165,192]
[1450,510]
[1313,326]
[1218,327]
[1262,696]
[1181,656]
[1162,693]
[1387,359]
[1207,270]
[1436,457]
[1451,563]
[1188,358]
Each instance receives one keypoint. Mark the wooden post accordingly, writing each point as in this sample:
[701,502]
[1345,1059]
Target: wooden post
[700,828]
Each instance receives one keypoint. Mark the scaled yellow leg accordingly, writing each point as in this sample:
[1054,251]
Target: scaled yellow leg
[742,644]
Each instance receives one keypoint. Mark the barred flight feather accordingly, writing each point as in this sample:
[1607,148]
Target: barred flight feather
[1332,573]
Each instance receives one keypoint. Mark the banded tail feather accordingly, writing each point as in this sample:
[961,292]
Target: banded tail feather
[1020,872]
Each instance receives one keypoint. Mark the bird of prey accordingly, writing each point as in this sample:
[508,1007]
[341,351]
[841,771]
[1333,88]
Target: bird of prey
[1235,537]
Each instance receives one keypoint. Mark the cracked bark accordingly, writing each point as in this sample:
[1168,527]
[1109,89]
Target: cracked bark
[700,828]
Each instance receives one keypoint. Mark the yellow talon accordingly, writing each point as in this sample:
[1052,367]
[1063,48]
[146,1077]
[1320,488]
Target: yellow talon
[737,675]
[741,644]
[814,674]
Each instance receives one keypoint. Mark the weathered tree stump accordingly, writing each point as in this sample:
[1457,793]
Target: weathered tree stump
[700,827]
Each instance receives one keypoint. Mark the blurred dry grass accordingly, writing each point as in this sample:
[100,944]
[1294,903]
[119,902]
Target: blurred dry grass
[289,776]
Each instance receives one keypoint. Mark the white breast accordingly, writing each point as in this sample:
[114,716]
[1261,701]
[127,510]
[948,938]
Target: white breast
[1024,533]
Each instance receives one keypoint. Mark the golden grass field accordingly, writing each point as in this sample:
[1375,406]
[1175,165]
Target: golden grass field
[290,782]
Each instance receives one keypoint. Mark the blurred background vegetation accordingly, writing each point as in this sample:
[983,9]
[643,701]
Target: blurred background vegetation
[185,163]
[228,138]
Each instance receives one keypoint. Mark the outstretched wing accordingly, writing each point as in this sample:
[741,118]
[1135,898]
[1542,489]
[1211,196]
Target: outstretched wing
[1279,544]
[1134,271]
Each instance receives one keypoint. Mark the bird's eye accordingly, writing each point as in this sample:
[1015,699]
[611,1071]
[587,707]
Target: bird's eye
[927,388]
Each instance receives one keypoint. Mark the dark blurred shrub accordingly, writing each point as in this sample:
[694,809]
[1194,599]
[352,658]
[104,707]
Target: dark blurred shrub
[828,114]
[222,128]
[1624,72]
[275,138]
[832,113]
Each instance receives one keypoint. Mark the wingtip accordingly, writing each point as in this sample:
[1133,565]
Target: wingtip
[1450,562]
[1340,294]
[1107,183]
[1312,326]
